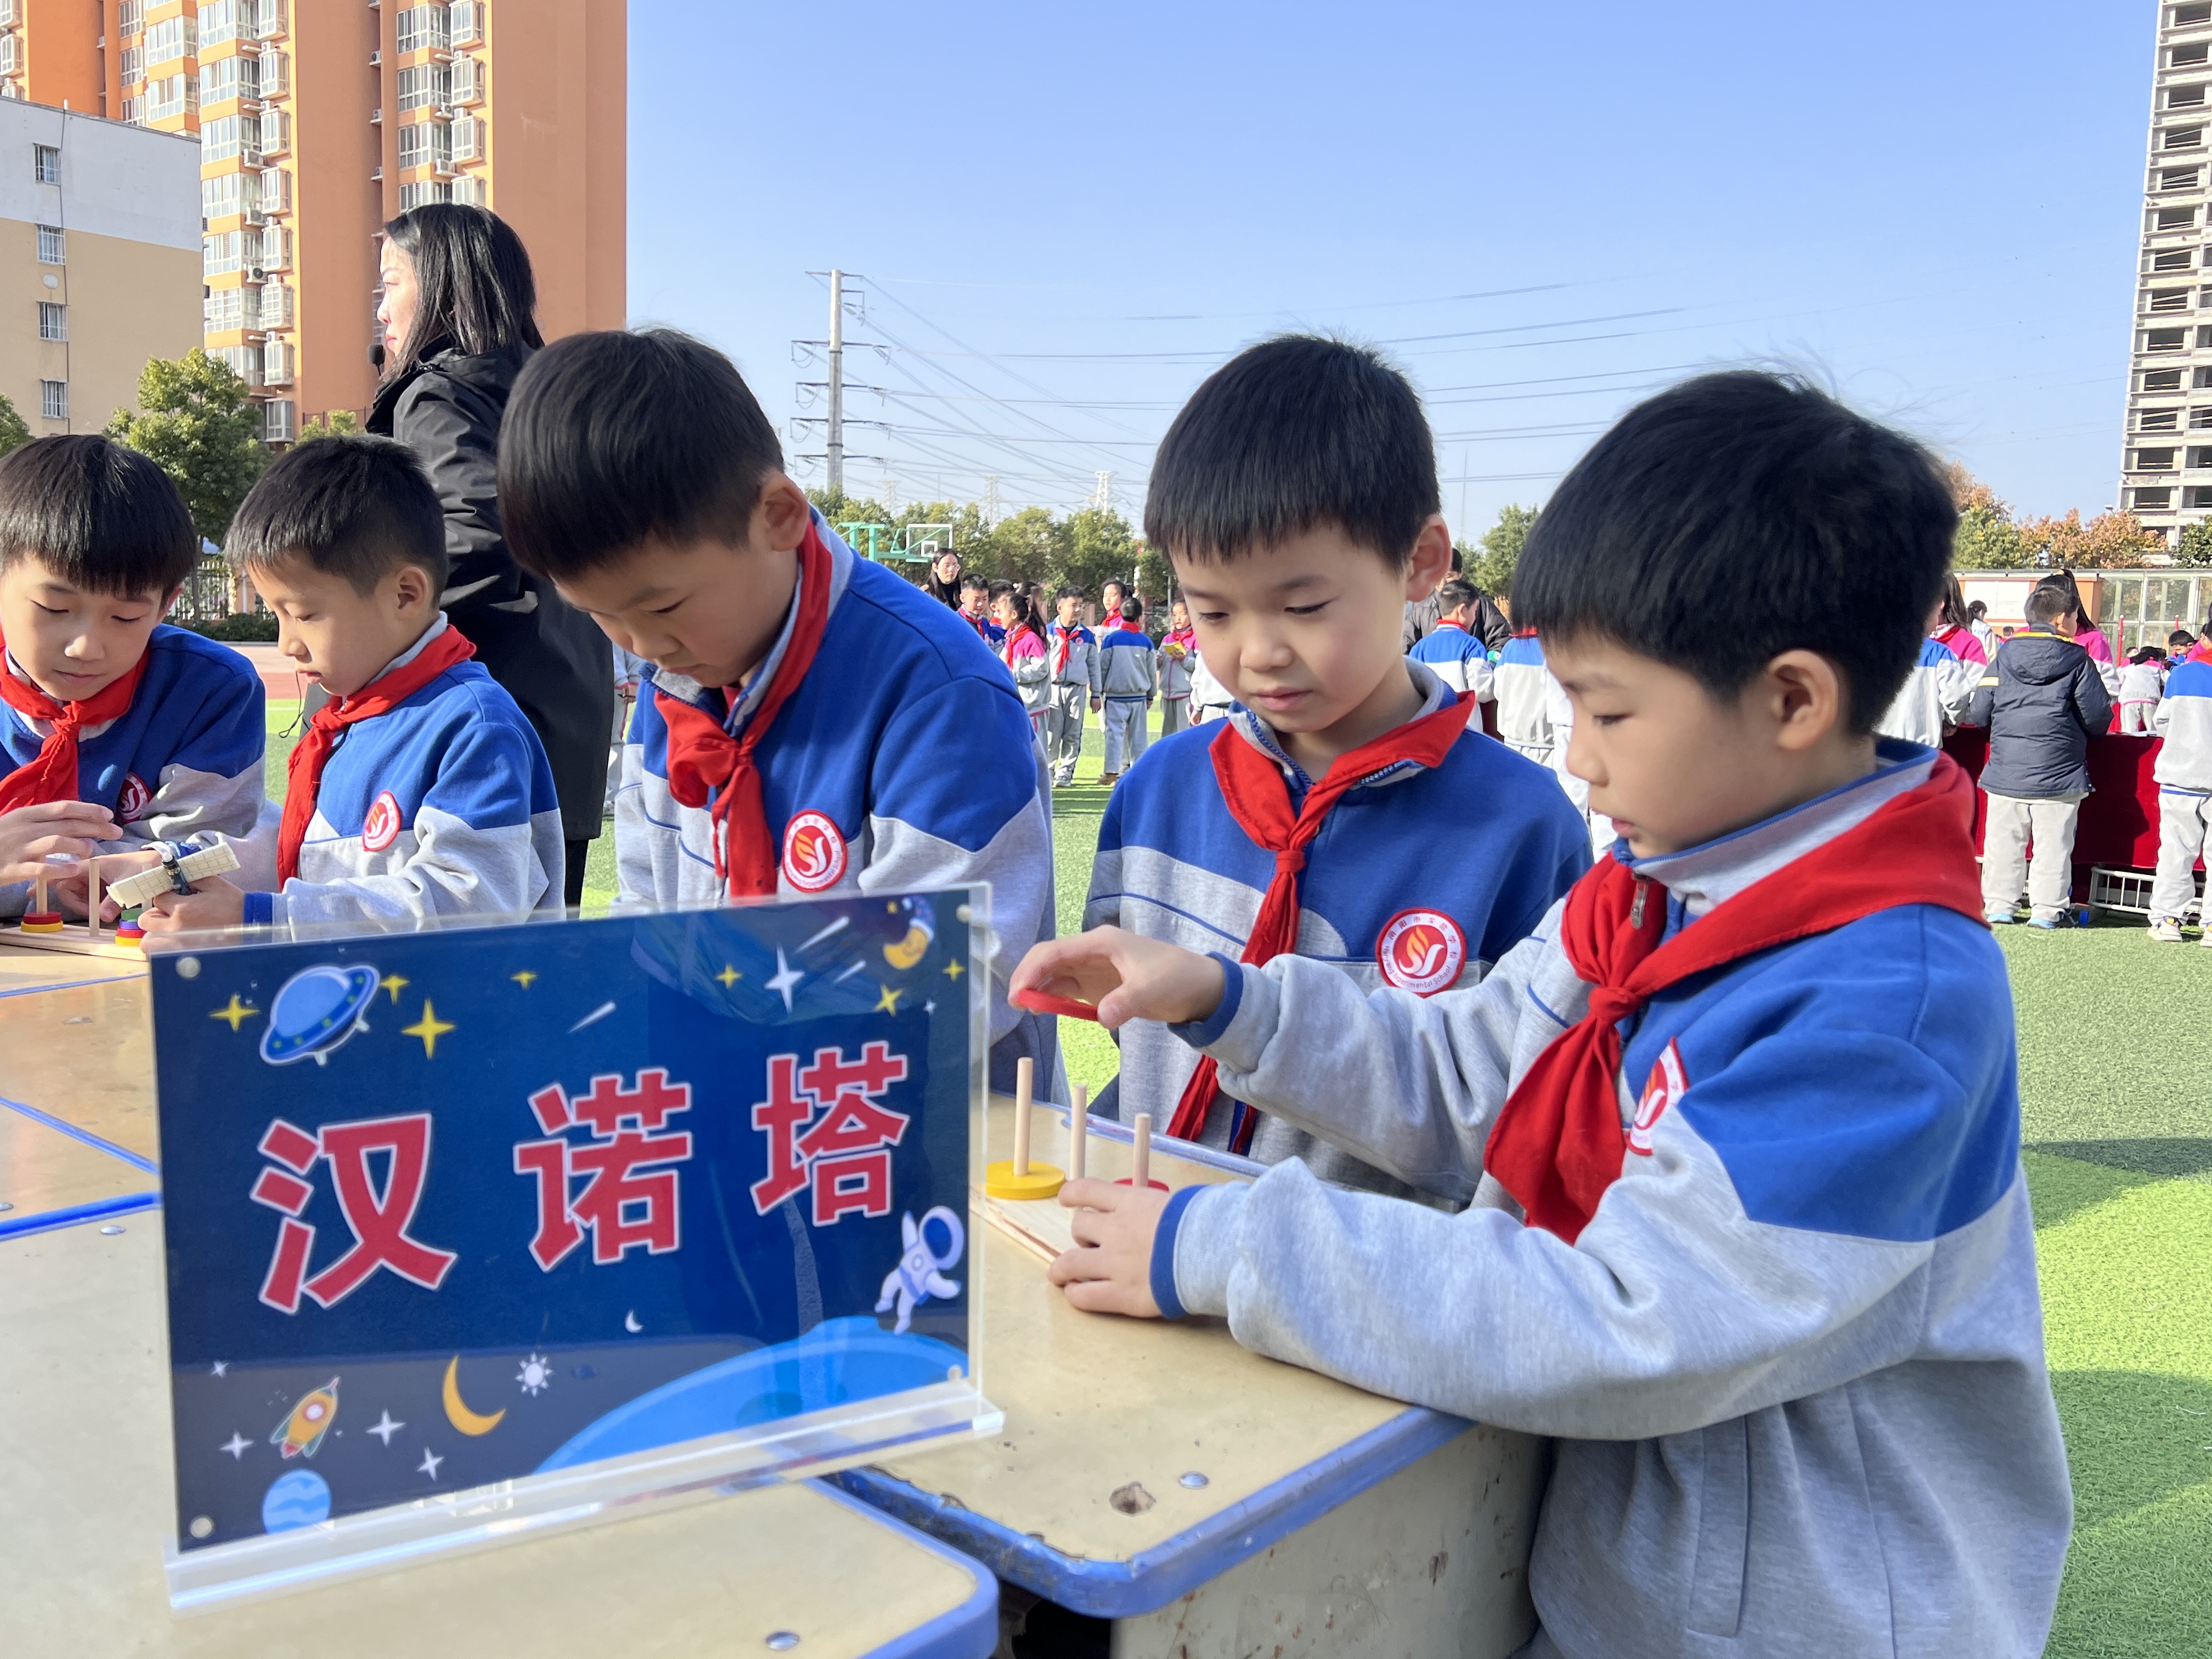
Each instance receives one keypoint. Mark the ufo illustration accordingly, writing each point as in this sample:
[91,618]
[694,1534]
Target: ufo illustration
[316,1010]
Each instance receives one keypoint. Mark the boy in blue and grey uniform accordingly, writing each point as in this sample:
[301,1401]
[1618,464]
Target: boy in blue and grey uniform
[1128,682]
[638,472]
[119,730]
[1073,650]
[420,789]
[2184,772]
[1738,1128]
[1453,652]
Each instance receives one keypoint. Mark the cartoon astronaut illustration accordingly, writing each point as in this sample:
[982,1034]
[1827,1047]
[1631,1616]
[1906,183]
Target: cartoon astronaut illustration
[919,1275]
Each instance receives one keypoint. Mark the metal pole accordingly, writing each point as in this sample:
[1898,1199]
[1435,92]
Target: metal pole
[836,382]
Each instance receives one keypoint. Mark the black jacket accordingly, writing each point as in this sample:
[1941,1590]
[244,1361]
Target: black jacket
[2042,700]
[551,658]
[1489,625]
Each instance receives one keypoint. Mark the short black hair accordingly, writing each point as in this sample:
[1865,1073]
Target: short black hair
[1295,432]
[1133,610]
[2048,603]
[1739,515]
[2180,636]
[350,504]
[1068,591]
[615,438]
[99,514]
[976,579]
[1454,593]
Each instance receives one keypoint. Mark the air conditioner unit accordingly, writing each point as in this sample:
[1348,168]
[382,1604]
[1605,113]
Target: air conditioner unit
[375,58]
[257,273]
[375,175]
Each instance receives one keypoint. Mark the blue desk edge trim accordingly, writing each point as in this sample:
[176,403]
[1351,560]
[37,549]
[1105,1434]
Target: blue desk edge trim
[22,1226]
[66,1128]
[66,985]
[1154,1578]
[969,1631]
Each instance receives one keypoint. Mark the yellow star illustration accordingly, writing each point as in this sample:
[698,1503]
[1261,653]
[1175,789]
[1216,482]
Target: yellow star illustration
[729,977]
[394,984]
[429,1028]
[888,1002]
[953,971]
[238,1014]
[523,978]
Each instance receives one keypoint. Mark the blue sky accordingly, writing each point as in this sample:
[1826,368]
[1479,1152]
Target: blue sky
[1066,216]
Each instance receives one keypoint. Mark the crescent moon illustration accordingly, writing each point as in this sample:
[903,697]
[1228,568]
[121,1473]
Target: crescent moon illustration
[457,1411]
[629,1322]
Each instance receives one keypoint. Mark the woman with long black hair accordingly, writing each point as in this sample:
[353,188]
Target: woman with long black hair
[458,322]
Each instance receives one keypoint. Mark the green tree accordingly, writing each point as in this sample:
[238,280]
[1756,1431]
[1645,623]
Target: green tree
[200,427]
[1491,564]
[1988,540]
[2195,547]
[335,424]
[1100,546]
[12,429]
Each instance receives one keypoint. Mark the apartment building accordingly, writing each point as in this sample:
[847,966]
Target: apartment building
[320,119]
[99,244]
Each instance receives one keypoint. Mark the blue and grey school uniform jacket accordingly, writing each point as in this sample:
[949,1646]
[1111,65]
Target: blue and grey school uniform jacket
[1794,1362]
[1933,697]
[182,763]
[2184,721]
[1421,876]
[443,807]
[1082,668]
[1126,669]
[1458,658]
[925,767]
[1527,698]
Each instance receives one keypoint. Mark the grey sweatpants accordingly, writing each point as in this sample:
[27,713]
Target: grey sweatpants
[1128,730]
[1063,728]
[2181,822]
[1175,715]
[2014,825]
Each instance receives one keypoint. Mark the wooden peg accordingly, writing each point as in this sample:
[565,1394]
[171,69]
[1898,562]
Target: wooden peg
[1018,1177]
[1141,1155]
[92,897]
[39,918]
[1079,1132]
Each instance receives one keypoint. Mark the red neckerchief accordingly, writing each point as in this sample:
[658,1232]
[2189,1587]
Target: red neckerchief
[1063,642]
[1015,635]
[303,776]
[981,624]
[1185,637]
[706,765]
[1446,622]
[50,775]
[2200,651]
[1557,1144]
[1259,798]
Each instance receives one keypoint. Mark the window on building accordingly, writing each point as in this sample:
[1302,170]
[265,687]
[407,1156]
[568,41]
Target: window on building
[53,399]
[219,139]
[222,253]
[2200,417]
[46,164]
[280,421]
[425,86]
[275,73]
[2161,379]
[422,28]
[2204,338]
[173,37]
[2156,501]
[2154,460]
[2200,458]
[275,131]
[276,249]
[2188,56]
[2175,258]
[2185,16]
[2185,97]
[2165,339]
[219,19]
[53,321]
[134,112]
[52,250]
[466,22]
[220,196]
[469,137]
[2157,419]
[2183,137]
[131,16]
[132,63]
[276,191]
[426,144]
[423,194]
[174,96]
[2172,178]
[273,19]
[2198,496]
[468,80]
[276,363]
[472,191]
[230,77]
[2169,299]
[245,361]
[276,306]
[2177,218]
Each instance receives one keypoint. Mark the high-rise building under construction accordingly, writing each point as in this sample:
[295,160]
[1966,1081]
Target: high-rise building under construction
[320,119]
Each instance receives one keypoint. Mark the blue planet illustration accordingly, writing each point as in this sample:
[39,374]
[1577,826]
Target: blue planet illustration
[300,1498]
[316,1010]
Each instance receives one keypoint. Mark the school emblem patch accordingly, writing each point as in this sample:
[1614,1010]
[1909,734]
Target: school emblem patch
[131,805]
[1668,1083]
[382,827]
[813,852]
[1421,951]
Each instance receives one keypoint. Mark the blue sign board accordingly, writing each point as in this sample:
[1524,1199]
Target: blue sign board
[445,1209]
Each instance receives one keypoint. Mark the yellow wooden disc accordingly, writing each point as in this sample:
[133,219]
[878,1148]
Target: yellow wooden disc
[42,927]
[1043,1181]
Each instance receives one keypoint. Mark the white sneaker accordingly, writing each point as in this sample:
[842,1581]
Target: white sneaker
[2165,930]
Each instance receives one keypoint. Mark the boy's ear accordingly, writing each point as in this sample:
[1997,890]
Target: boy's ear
[781,514]
[1806,697]
[169,604]
[413,587]
[1431,558]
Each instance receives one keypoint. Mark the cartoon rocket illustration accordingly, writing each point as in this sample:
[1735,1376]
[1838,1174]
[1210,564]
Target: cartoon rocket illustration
[299,1434]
